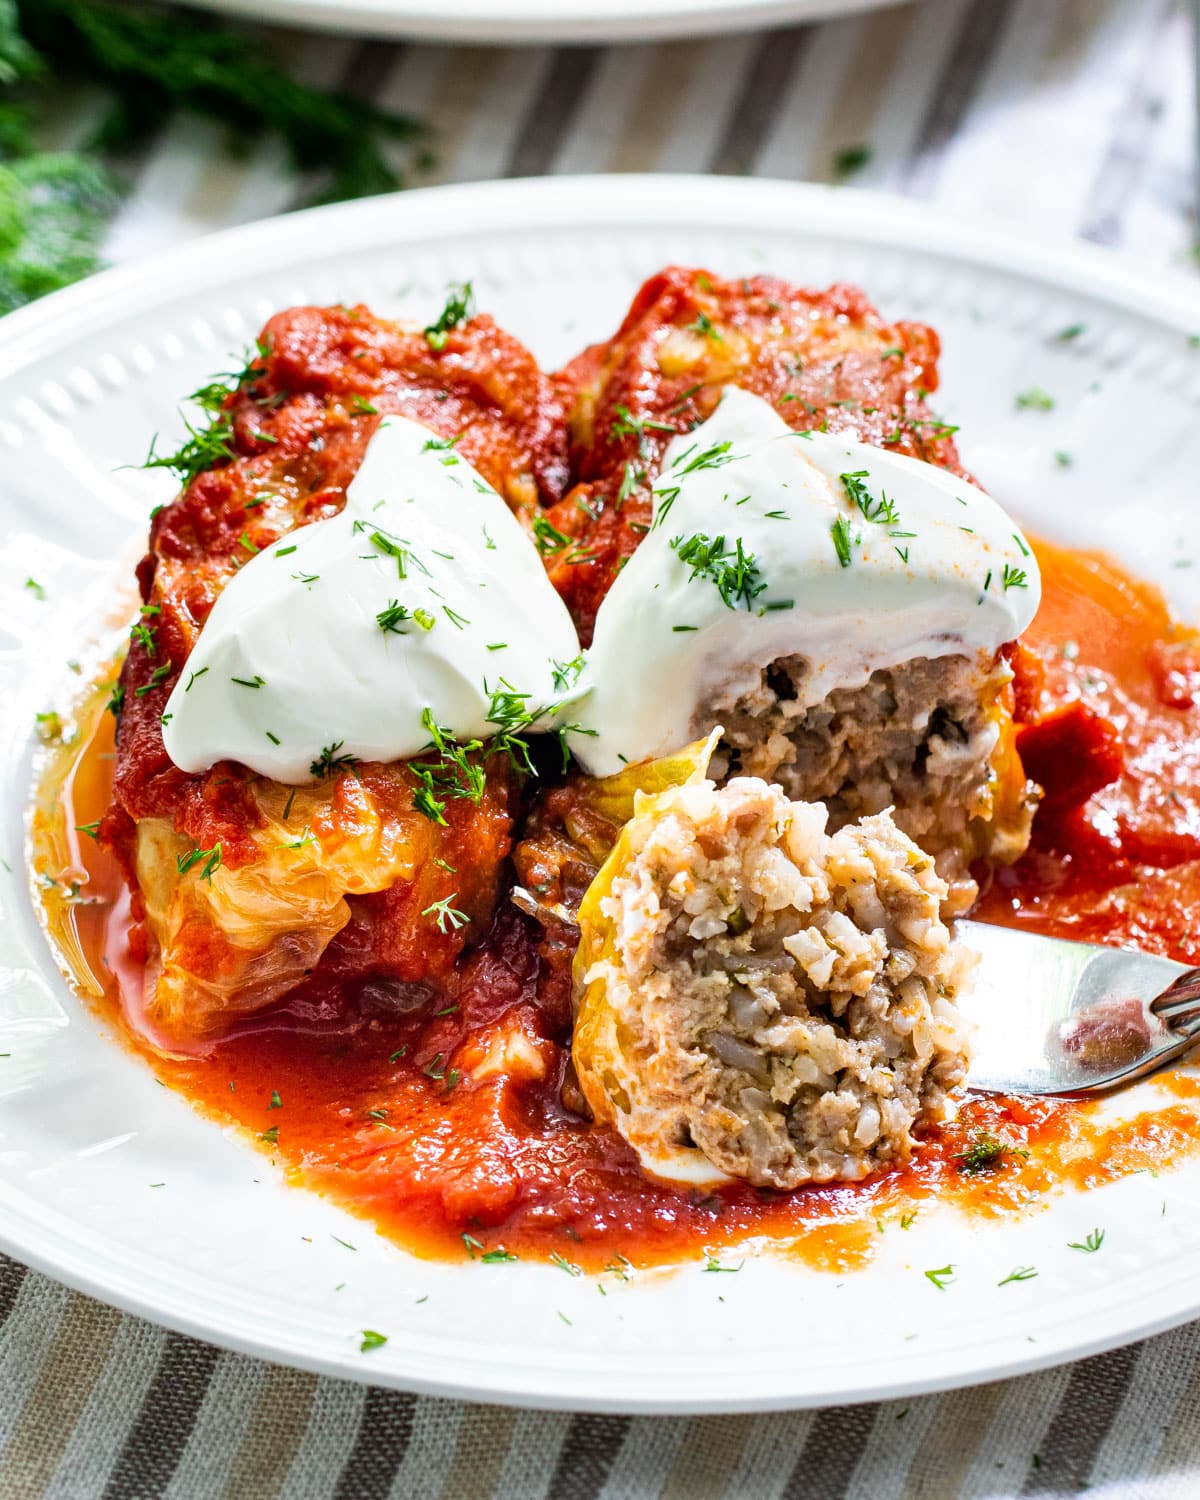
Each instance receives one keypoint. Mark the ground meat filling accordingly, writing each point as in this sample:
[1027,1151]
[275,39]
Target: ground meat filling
[778,997]
[918,738]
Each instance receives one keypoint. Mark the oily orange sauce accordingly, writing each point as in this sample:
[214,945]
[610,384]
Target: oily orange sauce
[407,1123]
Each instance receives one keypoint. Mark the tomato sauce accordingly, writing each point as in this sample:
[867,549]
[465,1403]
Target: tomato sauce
[449,1134]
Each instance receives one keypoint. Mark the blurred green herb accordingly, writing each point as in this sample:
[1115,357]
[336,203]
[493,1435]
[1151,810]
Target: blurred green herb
[151,63]
[850,159]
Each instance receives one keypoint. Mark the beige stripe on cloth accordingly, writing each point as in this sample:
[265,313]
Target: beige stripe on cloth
[957,1427]
[278,1423]
[849,123]
[707,1457]
[58,1398]
[656,107]
[32,1326]
[483,1439]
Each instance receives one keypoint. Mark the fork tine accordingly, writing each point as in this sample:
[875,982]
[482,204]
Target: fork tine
[1181,1002]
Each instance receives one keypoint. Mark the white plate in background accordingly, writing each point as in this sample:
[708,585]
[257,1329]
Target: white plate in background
[225,1251]
[514,21]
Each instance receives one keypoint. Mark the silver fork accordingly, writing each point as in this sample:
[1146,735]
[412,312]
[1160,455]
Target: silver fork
[1056,1017]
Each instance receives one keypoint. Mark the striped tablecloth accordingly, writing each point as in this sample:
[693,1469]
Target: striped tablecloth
[1069,117]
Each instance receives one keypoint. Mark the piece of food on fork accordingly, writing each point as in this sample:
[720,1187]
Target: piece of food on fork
[759,998]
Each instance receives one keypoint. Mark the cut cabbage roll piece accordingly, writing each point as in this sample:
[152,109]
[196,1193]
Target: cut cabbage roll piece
[843,613]
[761,999]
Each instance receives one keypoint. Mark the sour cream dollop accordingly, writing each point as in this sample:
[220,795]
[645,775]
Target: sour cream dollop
[859,560]
[421,599]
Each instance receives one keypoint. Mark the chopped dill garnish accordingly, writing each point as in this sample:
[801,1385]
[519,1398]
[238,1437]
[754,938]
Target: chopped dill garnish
[144,636]
[882,511]
[459,307]
[211,858]
[329,762]
[734,572]
[449,918]
[1034,399]
[625,424]
[1090,1245]
[985,1152]
[391,618]
[850,159]
[566,673]
[843,541]
[714,457]
[203,449]
[1019,1273]
[705,326]
[547,538]
[666,498]
[156,677]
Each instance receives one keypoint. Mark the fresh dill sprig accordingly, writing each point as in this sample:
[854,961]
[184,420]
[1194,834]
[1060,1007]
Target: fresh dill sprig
[330,762]
[390,619]
[985,1152]
[449,919]
[211,861]
[155,62]
[203,449]
[843,541]
[882,512]
[460,306]
[146,63]
[734,571]
[547,538]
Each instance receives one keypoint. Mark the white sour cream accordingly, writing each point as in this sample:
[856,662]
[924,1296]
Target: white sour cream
[294,657]
[933,568]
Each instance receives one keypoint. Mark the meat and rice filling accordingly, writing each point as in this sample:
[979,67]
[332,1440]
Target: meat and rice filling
[777,997]
[926,739]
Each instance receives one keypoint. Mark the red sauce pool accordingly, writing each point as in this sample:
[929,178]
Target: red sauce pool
[405,1124]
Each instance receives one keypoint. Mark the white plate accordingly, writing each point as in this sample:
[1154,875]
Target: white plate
[89,375]
[542,20]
